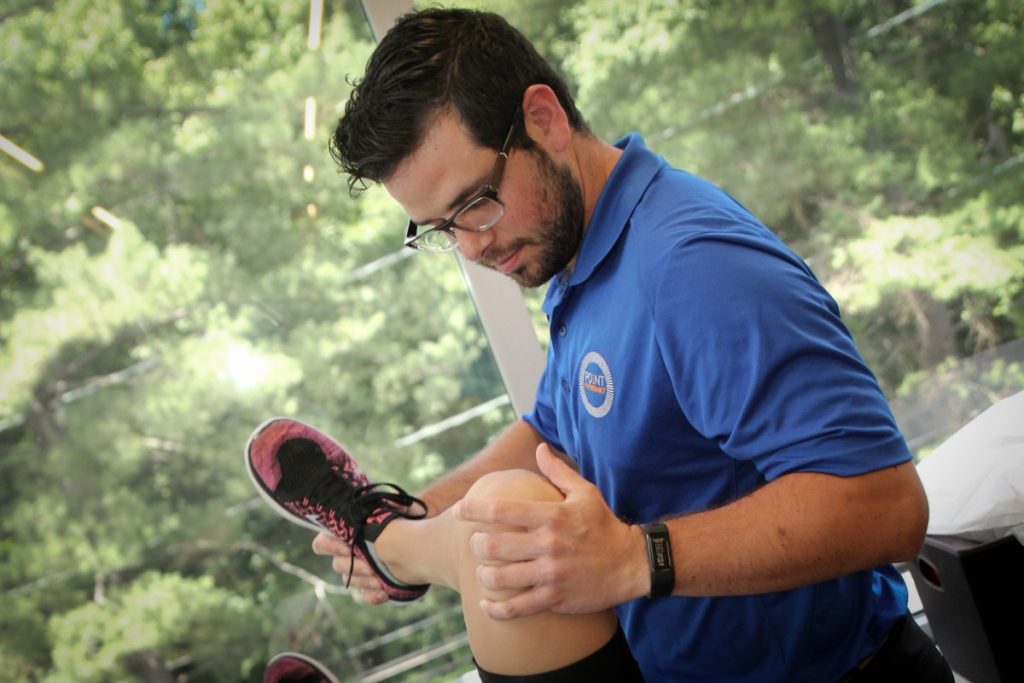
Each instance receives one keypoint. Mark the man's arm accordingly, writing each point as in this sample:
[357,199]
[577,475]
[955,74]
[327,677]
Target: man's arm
[577,557]
[513,449]
[800,529]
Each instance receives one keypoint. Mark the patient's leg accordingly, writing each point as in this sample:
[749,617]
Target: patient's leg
[436,550]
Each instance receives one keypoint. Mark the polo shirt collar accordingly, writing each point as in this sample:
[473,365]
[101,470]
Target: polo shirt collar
[626,184]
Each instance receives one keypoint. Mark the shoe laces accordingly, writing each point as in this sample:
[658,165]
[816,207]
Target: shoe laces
[370,501]
[358,506]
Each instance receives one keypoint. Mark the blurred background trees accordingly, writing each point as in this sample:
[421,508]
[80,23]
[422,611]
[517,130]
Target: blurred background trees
[187,263]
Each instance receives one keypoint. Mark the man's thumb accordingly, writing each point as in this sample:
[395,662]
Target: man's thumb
[556,469]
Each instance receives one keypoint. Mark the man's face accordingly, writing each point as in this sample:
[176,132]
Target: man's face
[540,232]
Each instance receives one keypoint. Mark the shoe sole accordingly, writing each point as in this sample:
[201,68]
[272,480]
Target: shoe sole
[309,661]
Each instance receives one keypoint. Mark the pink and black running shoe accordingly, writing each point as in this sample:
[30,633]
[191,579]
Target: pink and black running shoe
[291,667]
[310,480]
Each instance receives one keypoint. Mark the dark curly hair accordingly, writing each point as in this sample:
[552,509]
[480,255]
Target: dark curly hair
[472,61]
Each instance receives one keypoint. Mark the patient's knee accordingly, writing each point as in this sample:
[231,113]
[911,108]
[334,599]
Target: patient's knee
[495,486]
[514,485]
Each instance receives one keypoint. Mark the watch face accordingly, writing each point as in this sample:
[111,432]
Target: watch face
[659,556]
[660,553]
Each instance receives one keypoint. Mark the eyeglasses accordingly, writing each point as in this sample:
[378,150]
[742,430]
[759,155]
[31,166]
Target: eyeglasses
[479,213]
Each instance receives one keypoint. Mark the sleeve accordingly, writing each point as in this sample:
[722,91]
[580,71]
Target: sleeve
[762,364]
[542,415]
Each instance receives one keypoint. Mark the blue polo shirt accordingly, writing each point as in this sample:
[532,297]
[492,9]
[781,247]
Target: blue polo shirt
[693,358]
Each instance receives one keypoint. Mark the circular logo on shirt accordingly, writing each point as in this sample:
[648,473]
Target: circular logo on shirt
[597,391]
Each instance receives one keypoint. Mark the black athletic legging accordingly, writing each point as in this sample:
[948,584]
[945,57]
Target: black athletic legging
[907,654]
[613,663]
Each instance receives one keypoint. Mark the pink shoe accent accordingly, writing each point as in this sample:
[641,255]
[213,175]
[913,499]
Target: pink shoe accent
[325,490]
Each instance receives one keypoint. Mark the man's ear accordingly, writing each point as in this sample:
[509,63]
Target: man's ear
[547,124]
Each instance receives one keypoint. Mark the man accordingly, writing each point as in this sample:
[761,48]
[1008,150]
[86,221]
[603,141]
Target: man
[734,482]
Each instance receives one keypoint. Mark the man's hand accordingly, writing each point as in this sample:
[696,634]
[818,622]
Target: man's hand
[573,557]
[365,585]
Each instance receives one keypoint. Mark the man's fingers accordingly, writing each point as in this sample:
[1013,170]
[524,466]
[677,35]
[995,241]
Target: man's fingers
[325,544]
[518,513]
[361,572]
[364,585]
[508,546]
[513,576]
[368,596]
[522,605]
[557,470]
[535,575]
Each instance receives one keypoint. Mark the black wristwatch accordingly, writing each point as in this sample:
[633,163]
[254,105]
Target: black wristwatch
[659,557]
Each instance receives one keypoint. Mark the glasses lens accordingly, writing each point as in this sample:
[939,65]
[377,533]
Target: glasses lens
[480,215]
[435,240]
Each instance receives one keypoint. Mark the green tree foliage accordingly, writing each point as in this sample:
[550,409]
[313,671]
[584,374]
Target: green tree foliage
[238,280]
[139,351]
[882,140]
[160,621]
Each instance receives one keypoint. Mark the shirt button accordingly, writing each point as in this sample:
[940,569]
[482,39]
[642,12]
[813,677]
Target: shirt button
[565,385]
[562,330]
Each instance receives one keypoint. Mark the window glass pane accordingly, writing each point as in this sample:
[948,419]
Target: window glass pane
[180,262]
[883,144]
[185,265]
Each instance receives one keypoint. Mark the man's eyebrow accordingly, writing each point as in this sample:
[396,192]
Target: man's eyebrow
[466,193]
[459,199]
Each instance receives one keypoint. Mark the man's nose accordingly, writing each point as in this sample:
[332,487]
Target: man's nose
[473,244]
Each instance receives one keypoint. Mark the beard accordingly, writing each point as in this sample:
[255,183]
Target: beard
[560,234]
